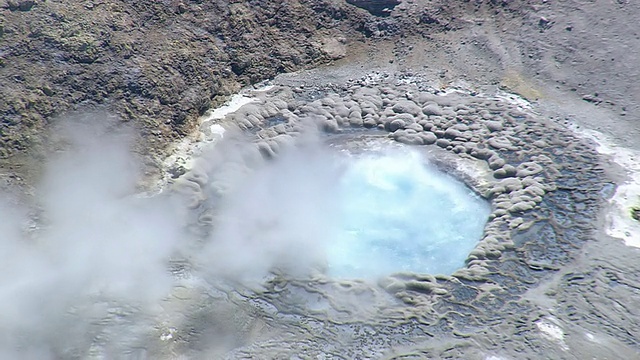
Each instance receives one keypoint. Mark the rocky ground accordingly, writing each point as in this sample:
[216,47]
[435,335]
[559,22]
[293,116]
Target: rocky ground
[157,64]
[162,64]
[556,286]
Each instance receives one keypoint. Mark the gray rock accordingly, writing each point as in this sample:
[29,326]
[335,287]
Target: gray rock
[355,122]
[330,126]
[327,101]
[486,115]
[410,139]
[443,143]
[428,137]
[528,169]
[355,112]
[534,190]
[496,162]
[452,133]
[23,5]
[470,146]
[265,150]
[482,154]
[396,124]
[522,206]
[406,107]
[461,127]
[540,143]
[426,125]
[439,133]
[458,149]
[494,126]
[191,191]
[511,184]
[425,97]
[507,171]
[500,143]
[369,122]
[244,124]
[342,110]
[280,104]
[283,140]
[415,126]
[432,110]
[197,176]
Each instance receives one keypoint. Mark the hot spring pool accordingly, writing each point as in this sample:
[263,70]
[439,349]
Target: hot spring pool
[398,213]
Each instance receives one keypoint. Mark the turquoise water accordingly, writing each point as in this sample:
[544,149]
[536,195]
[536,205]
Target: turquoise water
[400,214]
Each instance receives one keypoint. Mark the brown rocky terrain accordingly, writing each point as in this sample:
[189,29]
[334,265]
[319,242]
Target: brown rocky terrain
[162,64]
[157,64]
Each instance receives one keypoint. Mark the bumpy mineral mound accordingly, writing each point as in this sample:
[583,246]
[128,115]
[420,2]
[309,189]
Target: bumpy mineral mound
[540,96]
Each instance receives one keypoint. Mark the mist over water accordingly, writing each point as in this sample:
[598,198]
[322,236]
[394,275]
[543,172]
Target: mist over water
[279,213]
[85,272]
[401,214]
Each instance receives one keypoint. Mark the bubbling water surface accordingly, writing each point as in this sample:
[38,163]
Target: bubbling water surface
[399,213]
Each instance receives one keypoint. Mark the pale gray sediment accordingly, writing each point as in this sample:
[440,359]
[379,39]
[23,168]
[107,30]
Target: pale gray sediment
[547,188]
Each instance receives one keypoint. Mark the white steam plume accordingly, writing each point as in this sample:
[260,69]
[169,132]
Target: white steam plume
[96,270]
[97,243]
[277,214]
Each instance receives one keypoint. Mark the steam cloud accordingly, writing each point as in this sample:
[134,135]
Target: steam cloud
[278,216]
[96,245]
